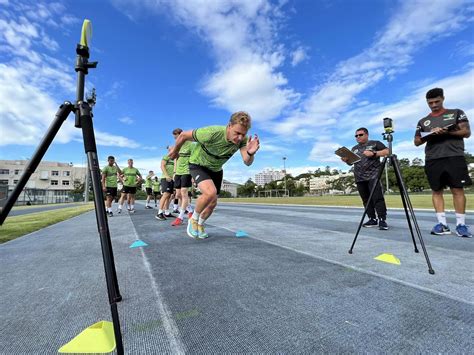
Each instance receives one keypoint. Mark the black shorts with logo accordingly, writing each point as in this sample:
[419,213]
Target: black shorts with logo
[166,186]
[149,191]
[129,190]
[181,181]
[111,191]
[201,173]
[450,171]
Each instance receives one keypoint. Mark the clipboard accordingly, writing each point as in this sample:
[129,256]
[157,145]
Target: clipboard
[344,152]
[426,134]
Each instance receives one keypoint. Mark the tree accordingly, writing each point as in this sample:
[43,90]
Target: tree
[247,189]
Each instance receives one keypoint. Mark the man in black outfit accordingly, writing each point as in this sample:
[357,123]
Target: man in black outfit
[365,173]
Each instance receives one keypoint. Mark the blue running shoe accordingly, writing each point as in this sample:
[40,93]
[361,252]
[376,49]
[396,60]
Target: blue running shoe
[463,231]
[192,229]
[440,229]
[202,232]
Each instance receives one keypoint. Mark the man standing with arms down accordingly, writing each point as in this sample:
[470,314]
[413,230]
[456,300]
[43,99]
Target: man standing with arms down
[215,145]
[131,177]
[109,182]
[366,173]
[443,131]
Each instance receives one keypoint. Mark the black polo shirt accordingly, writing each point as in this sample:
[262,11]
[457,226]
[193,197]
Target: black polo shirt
[367,168]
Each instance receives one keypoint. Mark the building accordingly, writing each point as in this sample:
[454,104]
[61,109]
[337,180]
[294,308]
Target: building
[230,187]
[50,183]
[320,184]
[268,175]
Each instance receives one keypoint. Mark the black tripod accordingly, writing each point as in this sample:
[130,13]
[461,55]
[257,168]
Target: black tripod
[392,159]
[83,112]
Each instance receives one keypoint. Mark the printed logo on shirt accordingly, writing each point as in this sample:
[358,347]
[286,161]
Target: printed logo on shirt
[427,123]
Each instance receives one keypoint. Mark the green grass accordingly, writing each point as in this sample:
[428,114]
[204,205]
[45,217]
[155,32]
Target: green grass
[17,226]
[392,200]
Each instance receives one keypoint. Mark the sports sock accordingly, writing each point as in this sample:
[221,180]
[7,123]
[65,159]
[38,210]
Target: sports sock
[132,207]
[160,211]
[441,217]
[120,207]
[201,221]
[181,213]
[196,216]
[460,219]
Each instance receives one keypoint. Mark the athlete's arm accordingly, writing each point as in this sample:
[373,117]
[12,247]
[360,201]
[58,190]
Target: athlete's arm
[381,153]
[163,169]
[183,137]
[418,141]
[463,131]
[103,180]
[248,151]
[118,169]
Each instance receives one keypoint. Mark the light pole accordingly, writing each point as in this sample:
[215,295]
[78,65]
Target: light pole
[284,172]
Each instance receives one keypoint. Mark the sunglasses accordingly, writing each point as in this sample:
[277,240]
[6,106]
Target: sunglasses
[359,135]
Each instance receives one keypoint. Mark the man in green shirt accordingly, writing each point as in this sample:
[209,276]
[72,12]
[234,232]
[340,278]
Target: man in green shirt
[167,169]
[130,178]
[148,189]
[182,177]
[109,183]
[215,145]
[156,189]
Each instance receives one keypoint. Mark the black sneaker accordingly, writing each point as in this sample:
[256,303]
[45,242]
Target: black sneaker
[111,214]
[169,215]
[176,211]
[148,207]
[370,223]
[383,225]
[119,211]
[160,216]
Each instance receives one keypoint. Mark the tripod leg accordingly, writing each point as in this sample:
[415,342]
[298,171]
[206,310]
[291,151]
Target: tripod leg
[407,204]
[107,253]
[382,167]
[403,195]
[61,115]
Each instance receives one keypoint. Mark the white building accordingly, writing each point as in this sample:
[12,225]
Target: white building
[268,175]
[320,184]
[230,187]
[54,177]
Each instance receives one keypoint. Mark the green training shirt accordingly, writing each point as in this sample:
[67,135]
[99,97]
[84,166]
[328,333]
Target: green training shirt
[156,186]
[169,166]
[182,165]
[130,175]
[148,182]
[213,149]
[110,173]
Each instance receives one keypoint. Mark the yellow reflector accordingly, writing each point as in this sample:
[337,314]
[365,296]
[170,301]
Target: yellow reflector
[98,338]
[388,258]
[86,33]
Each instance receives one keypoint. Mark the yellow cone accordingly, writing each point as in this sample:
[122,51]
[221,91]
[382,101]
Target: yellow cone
[388,258]
[98,338]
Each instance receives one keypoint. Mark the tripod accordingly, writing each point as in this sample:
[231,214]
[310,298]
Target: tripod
[407,206]
[83,112]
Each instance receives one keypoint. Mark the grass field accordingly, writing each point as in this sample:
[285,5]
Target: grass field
[393,201]
[16,226]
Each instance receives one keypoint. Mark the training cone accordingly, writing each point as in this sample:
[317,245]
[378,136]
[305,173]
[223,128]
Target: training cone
[98,338]
[241,234]
[388,258]
[138,243]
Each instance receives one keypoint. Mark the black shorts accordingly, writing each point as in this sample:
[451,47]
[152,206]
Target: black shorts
[201,173]
[129,190]
[157,193]
[110,191]
[166,186]
[149,191]
[181,181]
[451,172]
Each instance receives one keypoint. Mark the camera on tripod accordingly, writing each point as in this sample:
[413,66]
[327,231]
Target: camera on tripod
[388,125]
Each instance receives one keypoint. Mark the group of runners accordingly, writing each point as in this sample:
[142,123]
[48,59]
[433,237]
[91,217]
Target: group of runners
[196,159]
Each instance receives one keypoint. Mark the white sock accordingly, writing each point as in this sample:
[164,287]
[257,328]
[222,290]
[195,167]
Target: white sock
[196,216]
[460,219]
[189,208]
[160,211]
[132,207]
[147,203]
[441,217]
[181,213]
[120,207]
[201,221]
[175,206]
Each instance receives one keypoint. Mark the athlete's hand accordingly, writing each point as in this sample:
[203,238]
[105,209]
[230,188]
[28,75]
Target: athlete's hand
[368,153]
[253,144]
[168,179]
[173,153]
[344,159]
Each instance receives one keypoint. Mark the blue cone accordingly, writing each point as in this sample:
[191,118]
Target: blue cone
[138,243]
[241,234]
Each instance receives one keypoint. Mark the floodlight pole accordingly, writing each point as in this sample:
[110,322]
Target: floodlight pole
[284,172]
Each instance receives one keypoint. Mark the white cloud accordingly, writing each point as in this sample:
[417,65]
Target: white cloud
[126,120]
[298,56]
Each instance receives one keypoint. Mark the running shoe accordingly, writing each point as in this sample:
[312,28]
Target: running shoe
[190,215]
[169,215]
[463,231]
[440,229]
[192,229]
[372,222]
[160,216]
[132,210]
[175,210]
[177,222]
[148,207]
[383,225]
[202,233]
[119,211]
[111,214]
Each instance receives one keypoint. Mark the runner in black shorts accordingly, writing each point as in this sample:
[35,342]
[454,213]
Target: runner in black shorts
[167,169]
[148,189]
[182,178]
[215,145]
[443,131]
[109,182]
[156,189]
[130,177]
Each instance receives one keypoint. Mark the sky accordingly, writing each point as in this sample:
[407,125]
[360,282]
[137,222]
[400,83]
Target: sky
[309,72]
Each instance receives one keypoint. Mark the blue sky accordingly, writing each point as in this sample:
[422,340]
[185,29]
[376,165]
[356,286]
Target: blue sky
[308,72]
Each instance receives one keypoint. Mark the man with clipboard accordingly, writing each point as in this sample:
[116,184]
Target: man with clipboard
[365,172]
[443,131]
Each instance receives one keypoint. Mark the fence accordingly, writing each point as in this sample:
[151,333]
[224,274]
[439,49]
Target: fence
[40,196]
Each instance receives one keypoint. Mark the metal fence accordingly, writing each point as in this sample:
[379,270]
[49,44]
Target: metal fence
[40,196]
